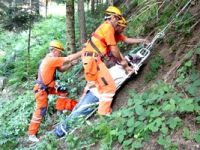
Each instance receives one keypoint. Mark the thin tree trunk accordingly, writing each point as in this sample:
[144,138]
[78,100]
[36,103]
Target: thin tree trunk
[81,16]
[36,6]
[88,5]
[29,40]
[46,7]
[92,6]
[110,2]
[70,26]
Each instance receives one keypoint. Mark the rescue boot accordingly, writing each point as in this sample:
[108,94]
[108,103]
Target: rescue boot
[33,138]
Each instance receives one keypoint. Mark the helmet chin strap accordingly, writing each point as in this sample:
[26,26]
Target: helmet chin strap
[107,17]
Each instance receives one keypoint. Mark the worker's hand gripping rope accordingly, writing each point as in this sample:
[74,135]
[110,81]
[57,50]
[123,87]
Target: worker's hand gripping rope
[136,68]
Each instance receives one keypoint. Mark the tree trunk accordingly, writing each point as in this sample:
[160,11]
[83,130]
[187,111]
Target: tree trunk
[29,41]
[81,18]
[88,5]
[46,7]
[110,2]
[92,6]
[70,26]
[36,6]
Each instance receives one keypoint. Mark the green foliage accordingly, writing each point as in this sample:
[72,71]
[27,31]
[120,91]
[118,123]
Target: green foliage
[20,66]
[166,142]
[145,15]
[186,133]
[49,143]
[184,23]
[17,18]
[154,111]
[14,118]
[74,77]
[188,77]
[197,50]
[155,64]
[196,136]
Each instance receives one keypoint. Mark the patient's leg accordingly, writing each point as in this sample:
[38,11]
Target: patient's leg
[82,109]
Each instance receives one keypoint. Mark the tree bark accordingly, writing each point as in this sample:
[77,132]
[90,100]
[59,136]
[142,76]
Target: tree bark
[36,6]
[29,40]
[46,7]
[81,18]
[92,6]
[70,32]
[110,2]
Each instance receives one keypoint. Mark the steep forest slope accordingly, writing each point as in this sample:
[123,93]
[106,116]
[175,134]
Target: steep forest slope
[156,109]
[172,49]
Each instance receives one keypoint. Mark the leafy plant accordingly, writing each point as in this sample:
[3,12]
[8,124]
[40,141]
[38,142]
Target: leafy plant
[186,133]
[155,64]
[196,136]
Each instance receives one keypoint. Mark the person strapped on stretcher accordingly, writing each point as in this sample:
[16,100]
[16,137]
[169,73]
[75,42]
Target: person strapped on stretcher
[90,99]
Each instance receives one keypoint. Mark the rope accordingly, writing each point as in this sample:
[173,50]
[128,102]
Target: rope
[161,34]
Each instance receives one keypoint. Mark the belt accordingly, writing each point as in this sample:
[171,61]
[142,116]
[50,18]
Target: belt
[92,54]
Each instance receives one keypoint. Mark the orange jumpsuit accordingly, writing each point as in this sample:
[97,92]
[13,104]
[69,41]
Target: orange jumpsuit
[95,70]
[46,76]
[63,103]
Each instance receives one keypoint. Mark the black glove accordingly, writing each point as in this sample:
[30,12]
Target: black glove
[62,88]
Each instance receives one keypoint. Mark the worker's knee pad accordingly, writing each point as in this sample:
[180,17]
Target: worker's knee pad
[43,111]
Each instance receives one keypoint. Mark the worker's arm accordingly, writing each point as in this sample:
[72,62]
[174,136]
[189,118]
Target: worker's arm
[72,57]
[117,54]
[66,66]
[135,41]
[70,60]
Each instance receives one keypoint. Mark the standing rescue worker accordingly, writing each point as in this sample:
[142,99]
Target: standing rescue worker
[102,42]
[45,83]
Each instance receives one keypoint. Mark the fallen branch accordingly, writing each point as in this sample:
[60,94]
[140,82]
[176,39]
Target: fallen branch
[176,66]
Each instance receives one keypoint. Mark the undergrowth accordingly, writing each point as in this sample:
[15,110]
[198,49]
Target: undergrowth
[158,113]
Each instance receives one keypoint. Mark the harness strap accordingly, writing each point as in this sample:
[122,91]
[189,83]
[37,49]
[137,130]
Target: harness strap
[40,81]
[95,47]
[99,38]
[42,85]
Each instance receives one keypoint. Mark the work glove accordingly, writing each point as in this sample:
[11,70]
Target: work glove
[62,88]
[135,59]
[136,68]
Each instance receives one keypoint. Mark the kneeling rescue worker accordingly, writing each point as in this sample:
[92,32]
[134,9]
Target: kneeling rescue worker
[45,84]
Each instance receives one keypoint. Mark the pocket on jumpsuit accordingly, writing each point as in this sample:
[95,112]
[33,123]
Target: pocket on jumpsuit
[90,70]
[42,98]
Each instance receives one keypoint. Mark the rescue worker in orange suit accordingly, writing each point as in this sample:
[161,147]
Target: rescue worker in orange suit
[63,103]
[45,83]
[102,42]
